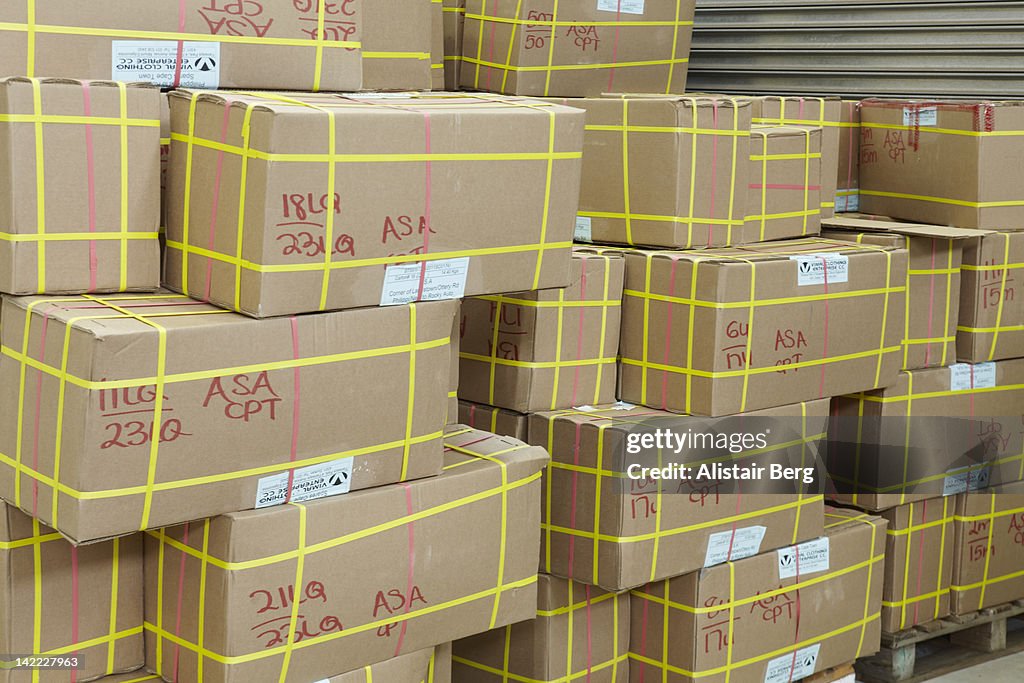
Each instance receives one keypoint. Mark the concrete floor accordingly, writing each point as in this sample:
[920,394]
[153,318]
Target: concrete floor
[1004,670]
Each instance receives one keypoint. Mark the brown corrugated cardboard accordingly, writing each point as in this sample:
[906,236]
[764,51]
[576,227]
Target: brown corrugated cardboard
[546,350]
[932,307]
[664,171]
[991,313]
[580,633]
[57,600]
[616,532]
[267,44]
[79,189]
[848,184]
[397,38]
[577,48]
[820,112]
[933,432]
[454,20]
[496,420]
[827,316]
[946,163]
[423,203]
[381,572]
[772,618]
[784,189]
[241,404]
[918,563]
[988,555]
[432,665]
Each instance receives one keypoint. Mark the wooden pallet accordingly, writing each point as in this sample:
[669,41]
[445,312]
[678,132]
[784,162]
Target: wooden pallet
[940,647]
[837,674]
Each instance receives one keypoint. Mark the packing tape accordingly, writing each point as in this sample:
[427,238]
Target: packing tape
[32,29]
[987,580]
[692,302]
[554,24]
[694,131]
[304,549]
[111,310]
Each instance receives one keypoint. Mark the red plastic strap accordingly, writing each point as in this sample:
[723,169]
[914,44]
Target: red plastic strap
[181,44]
[181,593]
[821,384]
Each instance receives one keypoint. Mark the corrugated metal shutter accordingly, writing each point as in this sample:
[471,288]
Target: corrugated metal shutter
[860,48]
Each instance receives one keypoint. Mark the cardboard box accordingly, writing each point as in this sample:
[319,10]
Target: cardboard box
[61,601]
[326,403]
[496,420]
[398,41]
[826,319]
[421,209]
[784,195]
[580,633]
[383,572]
[664,171]
[572,48]
[776,617]
[991,313]
[934,432]
[918,563]
[268,44]
[933,281]
[988,551]
[79,196]
[432,665]
[819,112]
[610,530]
[945,163]
[454,21]
[546,350]
[848,183]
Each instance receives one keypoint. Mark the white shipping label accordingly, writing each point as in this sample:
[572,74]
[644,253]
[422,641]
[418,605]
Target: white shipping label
[965,376]
[155,61]
[308,483]
[920,116]
[405,283]
[794,666]
[584,231]
[623,6]
[966,479]
[820,269]
[803,559]
[734,545]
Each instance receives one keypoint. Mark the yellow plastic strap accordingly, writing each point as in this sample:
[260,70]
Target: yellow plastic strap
[597,501]
[122,93]
[37,110]
[242,192]
[115,595]
[942,200]
[410,408]
[300,560]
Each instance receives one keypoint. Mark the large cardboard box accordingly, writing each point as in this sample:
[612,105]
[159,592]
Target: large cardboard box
[577,48]
[431,665]
[80,190]
[664,171]
[933,281]
[546,350]
[918,563]
[191,43]
[945,163]
[777,617]
[246,410]
[421,208]
[991,313]
[454,21]
[57,600]
[398,42]
[376,574]
[723,331]
[784,195]
[580,633]
[933,432]
[607,528]
[988,551]
[496,420]
[820,112]
[848,182]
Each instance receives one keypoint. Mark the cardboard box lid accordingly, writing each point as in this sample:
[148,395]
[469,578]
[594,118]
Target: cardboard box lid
[763,252]
[908,229]
[54,80]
